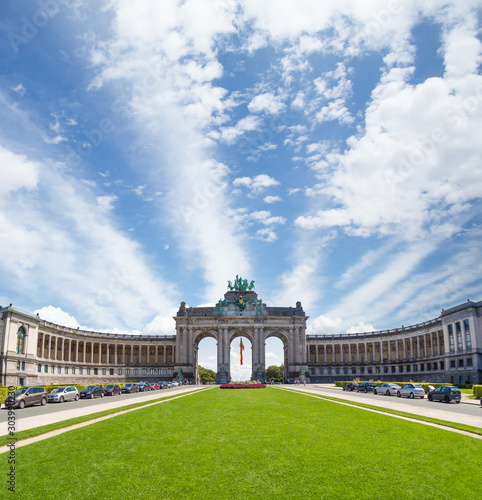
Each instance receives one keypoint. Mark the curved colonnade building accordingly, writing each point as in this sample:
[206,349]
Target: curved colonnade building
[444,349]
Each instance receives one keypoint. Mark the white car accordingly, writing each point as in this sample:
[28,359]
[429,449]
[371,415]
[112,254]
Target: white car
[387,389]
[61,394]
[411,391]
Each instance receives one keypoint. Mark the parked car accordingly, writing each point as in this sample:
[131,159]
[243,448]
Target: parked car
[129,388]
[112,390]
[411,391]
[154,386]
[351,386]
[27,396]
[175,383]
[446,393]
[91,391]
[366,386]
[143,386]
[387,389]
[61,394]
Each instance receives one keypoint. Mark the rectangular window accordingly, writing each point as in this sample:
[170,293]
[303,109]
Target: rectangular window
[452,363]
[461,363]
[160,371]
[128,371]
[168,372]
[96,371]
[52,369]
[442,365]
[459,337]
[119,371]
[111,371]
[103,371]
[144,371]
[153,371]
[59,370]
[422,367]
[408,368]
[329,371]
[23,365]
[73,370]
[469,361]
[468,342]
[451,338]
[66,370]
[39,368]
[18,365]
[46,368]
[81,371]
[400,369]
[136,371]
[415,368]
[88,371]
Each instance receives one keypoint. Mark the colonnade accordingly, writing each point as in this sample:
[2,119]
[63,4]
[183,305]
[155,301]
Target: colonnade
[58,348]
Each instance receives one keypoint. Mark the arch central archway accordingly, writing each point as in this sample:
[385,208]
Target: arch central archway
[240,315]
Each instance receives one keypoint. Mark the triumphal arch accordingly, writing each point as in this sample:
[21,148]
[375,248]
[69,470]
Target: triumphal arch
[241,313]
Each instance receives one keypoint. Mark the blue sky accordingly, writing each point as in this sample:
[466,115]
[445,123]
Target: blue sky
[150,151]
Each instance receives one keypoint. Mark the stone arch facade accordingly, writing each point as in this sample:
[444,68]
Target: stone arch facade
[241,313]
[445,349]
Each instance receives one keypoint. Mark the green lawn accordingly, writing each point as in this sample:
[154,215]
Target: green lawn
[243,444]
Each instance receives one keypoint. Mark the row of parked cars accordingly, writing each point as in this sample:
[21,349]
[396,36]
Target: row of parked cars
[444,393]
[28,396]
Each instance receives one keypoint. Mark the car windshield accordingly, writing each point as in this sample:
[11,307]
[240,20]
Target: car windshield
[22,390]
[59,389]
[109,386]
[89,388]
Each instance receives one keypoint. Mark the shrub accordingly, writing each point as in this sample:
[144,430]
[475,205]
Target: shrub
[477,390]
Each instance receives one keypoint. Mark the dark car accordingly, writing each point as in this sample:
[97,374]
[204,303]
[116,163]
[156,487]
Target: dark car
[143,387]
[27,396]
[129,388]
[91,391]
[445,393]
[366,386]
[351,386]
[112,390]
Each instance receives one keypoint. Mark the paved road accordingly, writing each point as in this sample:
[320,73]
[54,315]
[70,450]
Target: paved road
[469,414]
[35,416]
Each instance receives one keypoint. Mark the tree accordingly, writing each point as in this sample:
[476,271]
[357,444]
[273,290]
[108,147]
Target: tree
[275,373]
[206,375]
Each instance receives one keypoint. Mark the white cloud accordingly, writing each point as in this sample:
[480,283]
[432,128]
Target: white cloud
[266,102]
[17,173]
[323,325]
[361,328]
[57,316]
[256,184]
[19,89]
[106,202]
[266,234]
[271,199]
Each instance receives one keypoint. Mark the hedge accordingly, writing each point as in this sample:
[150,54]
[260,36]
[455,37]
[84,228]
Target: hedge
[477,390]
[243,386]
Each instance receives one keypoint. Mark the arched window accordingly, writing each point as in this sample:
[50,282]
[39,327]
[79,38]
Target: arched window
[21,340]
